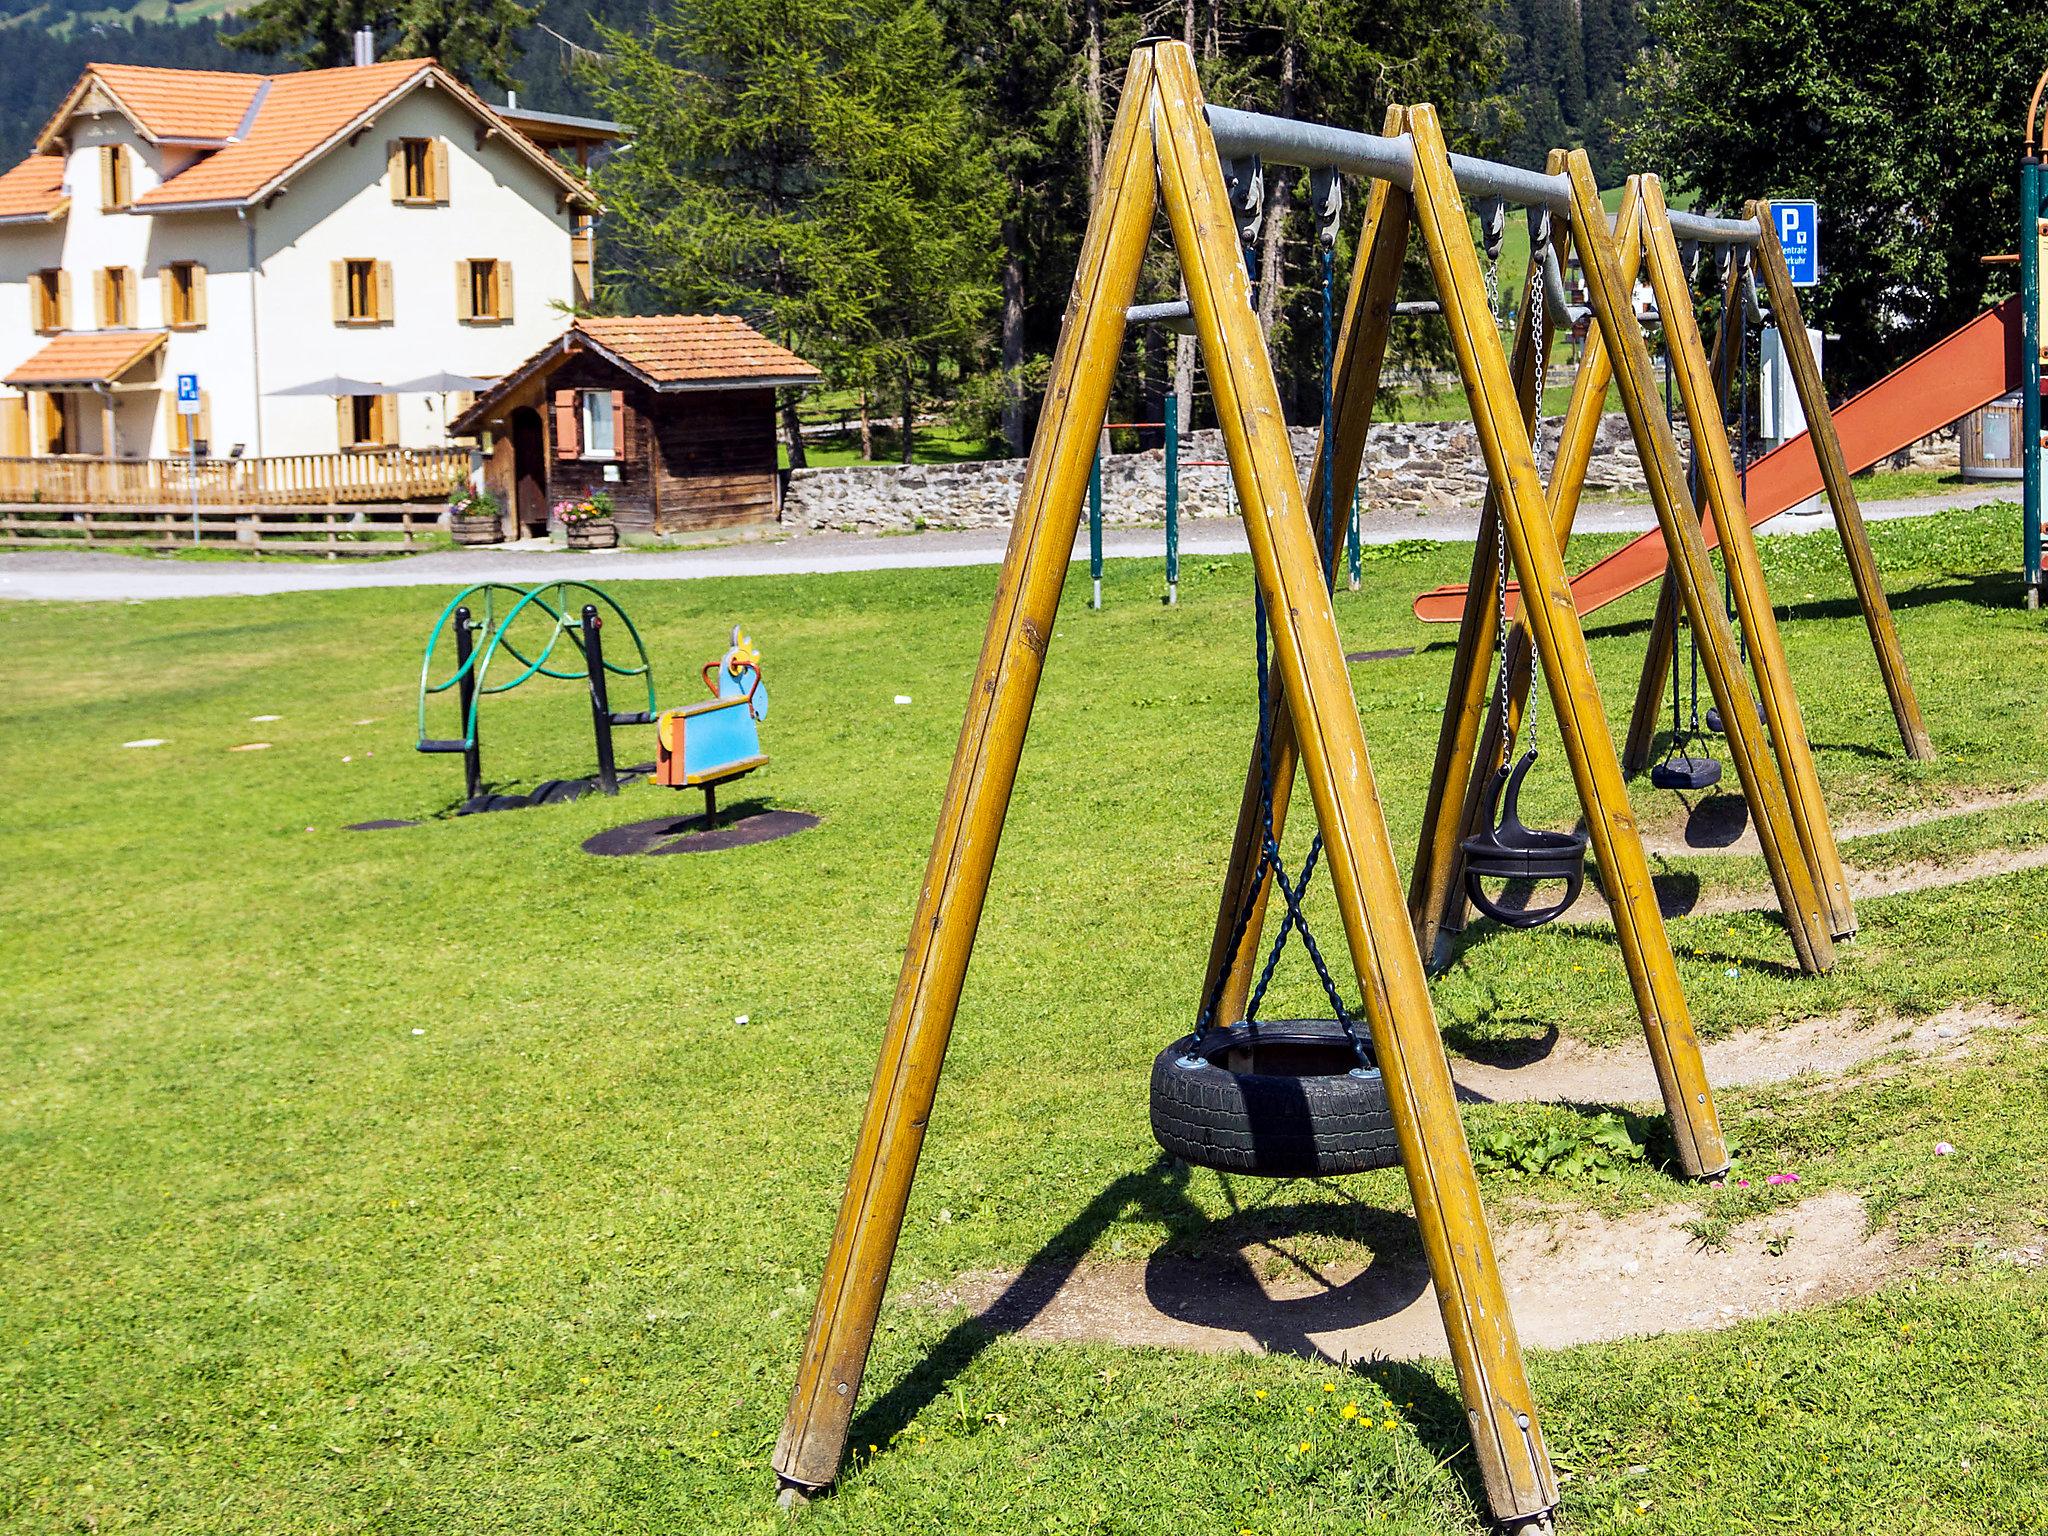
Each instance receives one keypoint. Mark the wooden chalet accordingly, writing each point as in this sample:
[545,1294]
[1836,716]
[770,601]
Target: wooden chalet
[672,415]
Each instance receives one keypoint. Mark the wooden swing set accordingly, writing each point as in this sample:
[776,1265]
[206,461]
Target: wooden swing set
[1167,147]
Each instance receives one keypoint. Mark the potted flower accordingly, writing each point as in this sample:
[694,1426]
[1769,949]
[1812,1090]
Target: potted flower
[474,517]
[587,521]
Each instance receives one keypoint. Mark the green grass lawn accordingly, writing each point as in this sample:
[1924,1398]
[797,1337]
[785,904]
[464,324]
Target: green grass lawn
[428,1180]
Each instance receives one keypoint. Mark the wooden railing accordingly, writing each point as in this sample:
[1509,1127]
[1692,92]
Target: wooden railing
[291,480]
[333,531]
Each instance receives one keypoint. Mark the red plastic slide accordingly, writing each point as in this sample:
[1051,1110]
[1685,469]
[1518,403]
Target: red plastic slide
[1952,378]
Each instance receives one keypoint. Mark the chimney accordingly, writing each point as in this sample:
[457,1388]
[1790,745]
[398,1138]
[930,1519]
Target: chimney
[366,47]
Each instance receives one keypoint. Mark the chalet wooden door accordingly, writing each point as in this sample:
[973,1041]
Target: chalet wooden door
[529,473]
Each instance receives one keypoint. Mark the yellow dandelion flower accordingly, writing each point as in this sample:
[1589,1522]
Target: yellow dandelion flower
[1351,1410]
[1329,1386]
[1259,1393]
[1304,1447]
[1390,1424]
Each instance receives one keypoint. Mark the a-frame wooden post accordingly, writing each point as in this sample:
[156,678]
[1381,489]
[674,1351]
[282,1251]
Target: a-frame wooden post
[1162,103]
[813,1440]
[1798,897]
[1834,470]
[1722,491]
[1436,892]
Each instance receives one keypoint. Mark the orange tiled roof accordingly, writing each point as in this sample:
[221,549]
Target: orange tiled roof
[34,189]
[86,357]
[203,104]
[693,349]
[299,115]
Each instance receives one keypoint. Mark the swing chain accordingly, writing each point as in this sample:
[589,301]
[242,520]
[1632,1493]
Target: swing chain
[1493,228]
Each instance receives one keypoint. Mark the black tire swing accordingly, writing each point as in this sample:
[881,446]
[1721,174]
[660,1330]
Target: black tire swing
[1278,1098]
[1506,849]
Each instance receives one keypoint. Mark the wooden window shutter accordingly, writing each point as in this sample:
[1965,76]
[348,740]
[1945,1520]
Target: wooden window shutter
[174,424]
[14,426]
[63,301]
[107,153]
[204,420]
[394,169]
[198,294]
[568,430]
[345,421]
[167,294]
[505,291]
[384,311]
[131,289]
[465,306]
[338,271]
[437,185]
[101,297]
[618,424]
[387,421]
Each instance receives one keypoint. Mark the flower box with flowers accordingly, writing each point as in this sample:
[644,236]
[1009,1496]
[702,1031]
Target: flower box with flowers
[587,523]
[474,517]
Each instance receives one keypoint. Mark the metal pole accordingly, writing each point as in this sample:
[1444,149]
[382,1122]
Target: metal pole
[192,469]
[1172,501]
[600,698]
[1095,531]
[2032,230]
[465,694]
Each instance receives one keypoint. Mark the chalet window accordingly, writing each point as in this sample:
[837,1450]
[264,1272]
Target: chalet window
[418,172]
[116,298]
[362,292]
[184,295]
[115,186]
[483,291]
[49,298]
[594,408]
[367,421]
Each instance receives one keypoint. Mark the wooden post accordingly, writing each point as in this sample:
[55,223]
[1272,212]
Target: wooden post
[1717,478]
[1687,550]
[813,1440]
[1439,906]
[1561,644]
[1834,472]
[1513,1462]
[1354,392]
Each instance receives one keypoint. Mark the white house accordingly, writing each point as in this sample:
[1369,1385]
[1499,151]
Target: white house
[306,244]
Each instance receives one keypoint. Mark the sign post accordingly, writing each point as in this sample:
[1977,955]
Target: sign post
[188,407]
[1799,234]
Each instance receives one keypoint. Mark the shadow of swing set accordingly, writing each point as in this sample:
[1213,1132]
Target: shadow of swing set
[1369,1087]
[701,745]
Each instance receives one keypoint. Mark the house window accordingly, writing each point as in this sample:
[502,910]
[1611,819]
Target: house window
[419,171]
[190,431]
[184,295]
[114,182]
[367,421]
[362,292]
[594,406]
[47,294]
[116,298]
[483,291]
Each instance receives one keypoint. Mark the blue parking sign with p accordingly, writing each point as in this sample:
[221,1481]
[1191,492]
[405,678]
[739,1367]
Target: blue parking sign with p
[188,394]
[1799,234]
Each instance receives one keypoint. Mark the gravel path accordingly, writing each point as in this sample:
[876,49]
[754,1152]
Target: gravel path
[91,576]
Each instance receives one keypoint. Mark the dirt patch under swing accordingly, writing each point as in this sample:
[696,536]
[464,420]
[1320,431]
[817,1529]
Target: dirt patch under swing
[1571,1280]
[1717,822]
[1559,1071]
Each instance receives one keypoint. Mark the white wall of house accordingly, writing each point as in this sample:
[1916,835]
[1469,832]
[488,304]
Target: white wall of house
[275,329]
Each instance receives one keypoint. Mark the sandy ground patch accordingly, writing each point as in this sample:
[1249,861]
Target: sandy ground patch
[1560,1071]
[1571,1280]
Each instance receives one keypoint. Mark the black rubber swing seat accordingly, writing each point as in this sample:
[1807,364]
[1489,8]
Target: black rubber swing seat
[1507,850]
[1276,1098]
[1682,770]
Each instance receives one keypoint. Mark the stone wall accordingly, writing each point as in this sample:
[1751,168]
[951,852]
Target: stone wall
[1408,465]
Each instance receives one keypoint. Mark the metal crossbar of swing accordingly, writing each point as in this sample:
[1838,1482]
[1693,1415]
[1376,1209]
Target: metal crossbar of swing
[1317,146]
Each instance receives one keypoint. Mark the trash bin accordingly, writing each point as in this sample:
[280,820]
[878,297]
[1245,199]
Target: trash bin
[1990,441]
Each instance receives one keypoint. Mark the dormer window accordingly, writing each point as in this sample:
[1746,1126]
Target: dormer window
[115,185]
[418,172]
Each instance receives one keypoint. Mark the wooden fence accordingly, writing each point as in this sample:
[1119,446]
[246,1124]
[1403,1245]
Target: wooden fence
[331,504]
[290,480]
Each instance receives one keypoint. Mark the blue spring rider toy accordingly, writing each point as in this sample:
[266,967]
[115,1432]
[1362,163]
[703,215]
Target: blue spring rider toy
[716,740]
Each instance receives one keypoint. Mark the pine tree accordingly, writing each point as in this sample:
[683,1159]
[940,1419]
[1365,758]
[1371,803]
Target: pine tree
[477,41]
